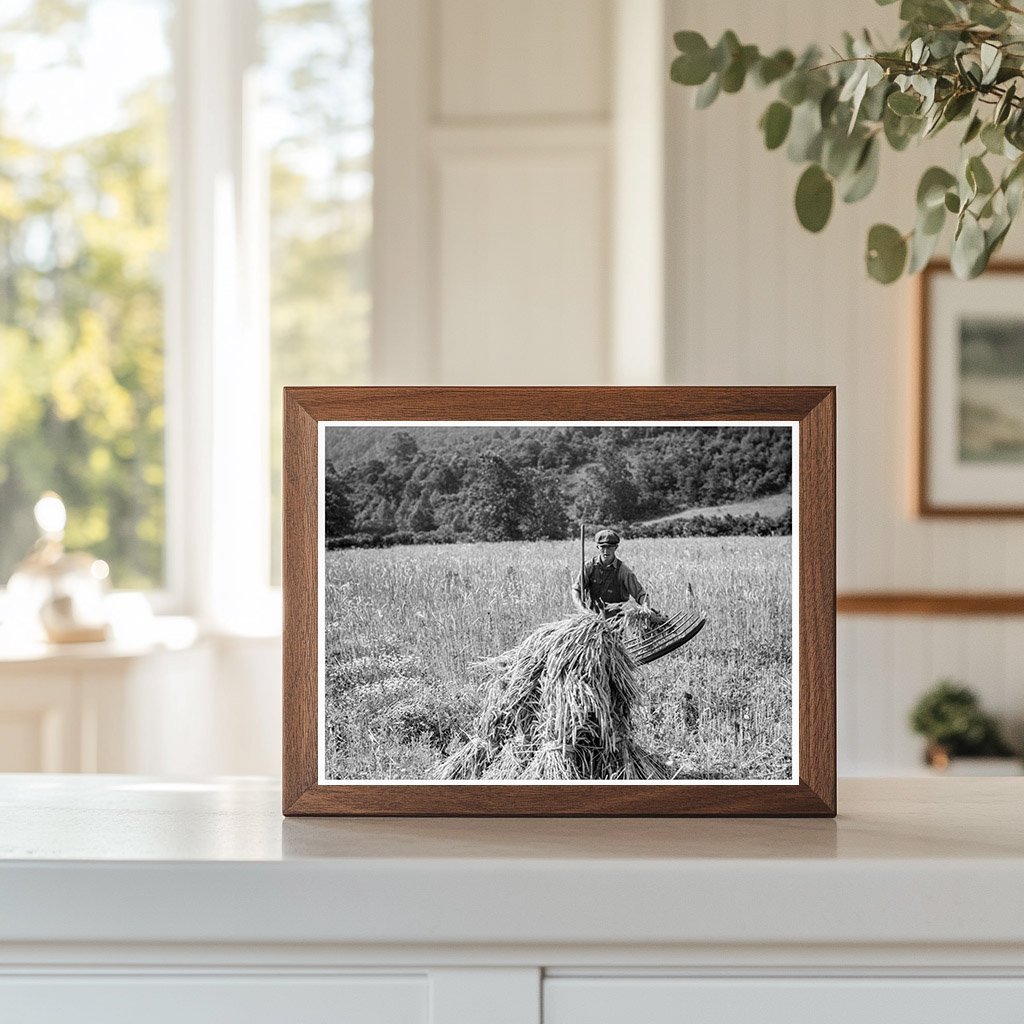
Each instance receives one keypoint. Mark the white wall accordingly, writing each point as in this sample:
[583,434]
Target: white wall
[511,137]
[498,200]
[754,299]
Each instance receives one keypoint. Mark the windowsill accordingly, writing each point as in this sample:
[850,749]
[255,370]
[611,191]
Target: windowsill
[137,631]
[160,633]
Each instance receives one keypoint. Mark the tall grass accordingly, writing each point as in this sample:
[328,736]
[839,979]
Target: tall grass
[405,627]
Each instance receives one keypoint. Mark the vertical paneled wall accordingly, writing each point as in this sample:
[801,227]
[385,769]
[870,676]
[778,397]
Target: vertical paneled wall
[509,134]
[521,200]
[754,299]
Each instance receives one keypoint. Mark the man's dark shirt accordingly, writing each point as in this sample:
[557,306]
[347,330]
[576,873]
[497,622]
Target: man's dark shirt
[609,584]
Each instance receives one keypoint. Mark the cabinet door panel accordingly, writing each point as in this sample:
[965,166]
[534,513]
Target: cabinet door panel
[202,999]
[783,1001]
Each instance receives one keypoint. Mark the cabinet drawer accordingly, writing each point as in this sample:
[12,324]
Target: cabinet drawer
[202,999]
[783,1001]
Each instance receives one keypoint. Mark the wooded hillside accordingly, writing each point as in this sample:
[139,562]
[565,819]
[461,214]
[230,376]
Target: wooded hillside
[387,485]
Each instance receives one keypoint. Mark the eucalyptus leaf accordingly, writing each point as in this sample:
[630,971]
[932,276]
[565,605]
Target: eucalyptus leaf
[922,248]
[687,41]
[993,138]
[691,68]
[968,247]
[900,130]
[771,69]
[966,189]
[857,77]
[865,173]
[991,60]
[840,152]
[978,176]
[873,106]
[995,233]
[827,106]
[1013,187]
[952,202]
[973,129]
[814,194]
[707,93]
[775,124]
[958,105]
[903,103]
[934,121]
[987,15]
[735,74]
[725,50]
[932,221]
[925,88]
[1013,191]
[931,190]
[930,12]
[805,133]
[944,44]
[886,253]
[817,84]
[1005,105]
[794,88]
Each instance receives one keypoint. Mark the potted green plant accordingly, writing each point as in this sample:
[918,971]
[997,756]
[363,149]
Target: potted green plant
[950,718]
[956,62]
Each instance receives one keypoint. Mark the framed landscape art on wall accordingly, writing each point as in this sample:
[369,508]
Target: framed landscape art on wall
[970,444]
[559,601]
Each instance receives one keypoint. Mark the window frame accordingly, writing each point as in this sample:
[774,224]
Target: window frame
[217,350]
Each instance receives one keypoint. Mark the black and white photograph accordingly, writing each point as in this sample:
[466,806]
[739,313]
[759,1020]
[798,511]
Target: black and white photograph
[557,602]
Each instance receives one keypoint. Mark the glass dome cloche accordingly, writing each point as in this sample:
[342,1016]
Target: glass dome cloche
[57,595]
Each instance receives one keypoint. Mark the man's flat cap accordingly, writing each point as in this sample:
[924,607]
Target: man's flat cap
[607,537]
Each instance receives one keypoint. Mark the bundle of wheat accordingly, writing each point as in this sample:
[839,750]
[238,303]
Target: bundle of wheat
[559,707]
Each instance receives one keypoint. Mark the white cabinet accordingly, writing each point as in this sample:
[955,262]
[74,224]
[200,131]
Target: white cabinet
[823,1000]
[140,899]
[203,999]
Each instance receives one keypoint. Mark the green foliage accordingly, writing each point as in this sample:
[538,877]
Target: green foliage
[814,194]
[388,485]
[83,227]
[338,516]
[950,717]
[955,61]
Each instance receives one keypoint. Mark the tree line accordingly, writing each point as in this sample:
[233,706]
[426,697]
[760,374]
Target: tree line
[387,485]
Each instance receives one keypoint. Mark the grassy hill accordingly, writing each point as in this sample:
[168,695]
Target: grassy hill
[770,506]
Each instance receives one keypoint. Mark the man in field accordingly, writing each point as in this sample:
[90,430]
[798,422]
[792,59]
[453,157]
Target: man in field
[606,584]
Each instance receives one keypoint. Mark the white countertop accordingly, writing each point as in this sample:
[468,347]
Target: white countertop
[122,859]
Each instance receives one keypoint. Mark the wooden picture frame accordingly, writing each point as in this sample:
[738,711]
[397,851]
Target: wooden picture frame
[969,444]
[807,412]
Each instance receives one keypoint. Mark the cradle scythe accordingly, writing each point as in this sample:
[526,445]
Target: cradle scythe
[663,637]
[668,636]
[584,591]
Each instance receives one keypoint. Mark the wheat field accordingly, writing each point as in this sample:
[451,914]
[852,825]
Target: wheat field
[405,629]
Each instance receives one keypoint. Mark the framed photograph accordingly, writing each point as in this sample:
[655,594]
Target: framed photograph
[970,444]
[559,601]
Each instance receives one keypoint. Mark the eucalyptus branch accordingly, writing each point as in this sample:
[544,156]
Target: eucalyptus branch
[833,117]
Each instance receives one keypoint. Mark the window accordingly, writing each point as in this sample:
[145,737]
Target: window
[317,127]
[83,236]
[185,220]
